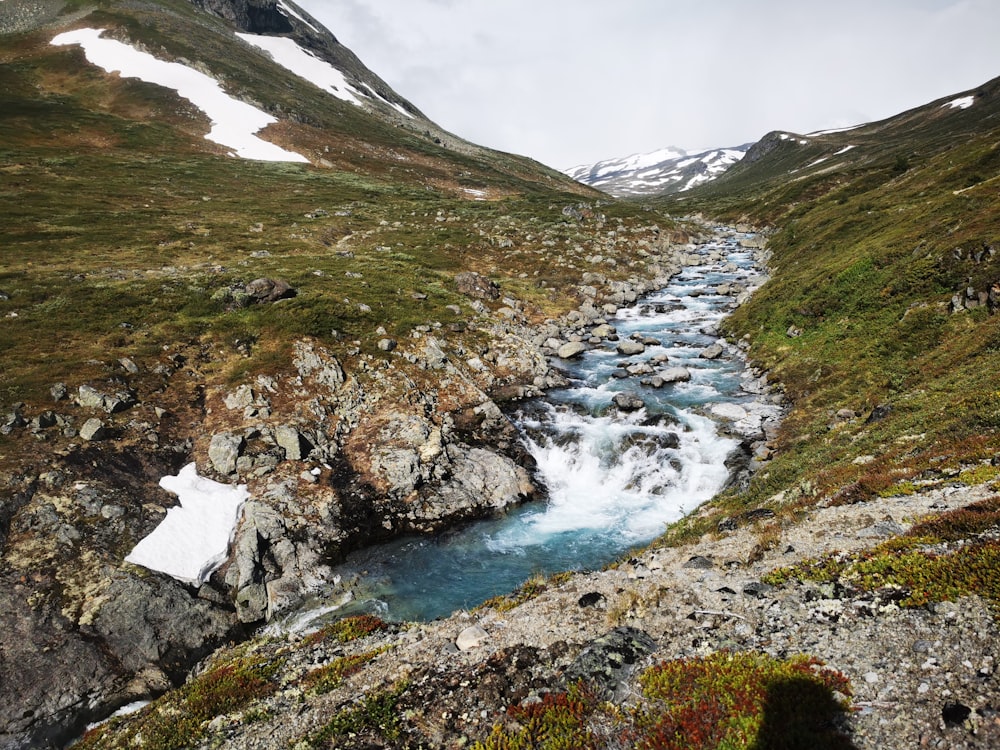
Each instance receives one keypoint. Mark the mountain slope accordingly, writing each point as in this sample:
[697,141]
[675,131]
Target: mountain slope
[163,302]
[880,318]
[662,172]
[357,127]
[783,163]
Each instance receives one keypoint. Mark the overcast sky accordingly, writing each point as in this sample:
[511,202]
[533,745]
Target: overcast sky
[572,82]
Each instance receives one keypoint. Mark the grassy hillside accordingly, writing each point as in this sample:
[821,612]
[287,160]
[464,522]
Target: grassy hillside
[125,229]
[879,320]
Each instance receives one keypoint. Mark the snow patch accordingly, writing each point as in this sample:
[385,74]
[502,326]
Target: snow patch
[193,540]
[291,56]
[234,123]
[844,150]
[835,130]
[284,8]
[963,102]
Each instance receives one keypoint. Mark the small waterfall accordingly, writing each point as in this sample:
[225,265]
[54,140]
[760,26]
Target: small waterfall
[614,479]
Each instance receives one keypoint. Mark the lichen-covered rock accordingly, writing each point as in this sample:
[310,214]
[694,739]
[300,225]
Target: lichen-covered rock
[266,290]
[93,430]
[223,450]
[607,661]
[315,362]
[571,350]
[292,442]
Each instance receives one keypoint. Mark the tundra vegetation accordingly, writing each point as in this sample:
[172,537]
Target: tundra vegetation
[129,238]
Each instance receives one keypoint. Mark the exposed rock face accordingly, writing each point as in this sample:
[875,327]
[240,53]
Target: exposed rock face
[84,633]
[251,16]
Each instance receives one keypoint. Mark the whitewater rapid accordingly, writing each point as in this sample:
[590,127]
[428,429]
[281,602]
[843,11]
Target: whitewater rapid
[613,479]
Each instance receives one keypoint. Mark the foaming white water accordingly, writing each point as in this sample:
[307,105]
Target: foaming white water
[621,478]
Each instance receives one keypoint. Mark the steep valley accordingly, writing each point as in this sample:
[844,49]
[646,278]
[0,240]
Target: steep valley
[347,337]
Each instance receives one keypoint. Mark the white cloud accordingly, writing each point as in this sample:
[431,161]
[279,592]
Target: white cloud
[573,81]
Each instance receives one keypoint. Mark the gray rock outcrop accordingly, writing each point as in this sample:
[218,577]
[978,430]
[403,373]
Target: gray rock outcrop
[223,451]
[477,286]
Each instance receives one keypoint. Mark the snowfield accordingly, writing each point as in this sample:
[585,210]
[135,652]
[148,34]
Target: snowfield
[291,56]
[963,102]
[234,123]
[193,540]
[288,54]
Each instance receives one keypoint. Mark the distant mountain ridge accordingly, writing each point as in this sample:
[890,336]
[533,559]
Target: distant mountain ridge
[662,172]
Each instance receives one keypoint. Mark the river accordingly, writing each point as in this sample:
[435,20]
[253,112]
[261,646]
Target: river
[614,478]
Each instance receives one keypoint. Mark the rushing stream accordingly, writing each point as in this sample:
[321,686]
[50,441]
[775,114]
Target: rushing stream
[614,478]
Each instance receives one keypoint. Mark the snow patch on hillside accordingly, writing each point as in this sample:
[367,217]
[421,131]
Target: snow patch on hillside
[287,10]
[291,56]
[835,130]
[193,540]
[234,123]
[288,54]
[963,102]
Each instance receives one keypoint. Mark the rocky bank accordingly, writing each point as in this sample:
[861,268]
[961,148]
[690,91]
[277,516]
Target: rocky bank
[340,447]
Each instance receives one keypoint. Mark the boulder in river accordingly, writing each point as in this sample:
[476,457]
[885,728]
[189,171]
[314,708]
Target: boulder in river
[628,347]
[675,375]
[571,350]
[628,402]
[712,352]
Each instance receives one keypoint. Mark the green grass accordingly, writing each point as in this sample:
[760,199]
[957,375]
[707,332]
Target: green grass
[924,565]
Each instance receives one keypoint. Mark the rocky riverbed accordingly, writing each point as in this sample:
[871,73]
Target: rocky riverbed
[920,677]
[338,450]
[342,451]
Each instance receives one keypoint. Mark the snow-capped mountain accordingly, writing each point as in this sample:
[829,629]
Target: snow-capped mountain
[669,170]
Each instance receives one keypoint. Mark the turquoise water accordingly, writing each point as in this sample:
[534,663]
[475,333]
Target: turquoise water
[613,480]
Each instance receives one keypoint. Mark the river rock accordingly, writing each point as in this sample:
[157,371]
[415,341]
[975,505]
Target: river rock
[571,350]
[712,352]
[628,402]
[674,375]
[628,347]
[733,412]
